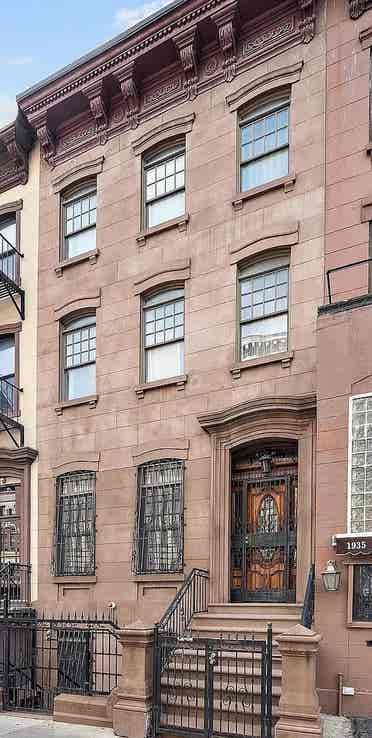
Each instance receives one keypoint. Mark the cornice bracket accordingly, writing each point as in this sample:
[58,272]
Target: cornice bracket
[226,21]
[16,152]
[128,85]
[45,136]
[307,22]
[186,44]
[96,95]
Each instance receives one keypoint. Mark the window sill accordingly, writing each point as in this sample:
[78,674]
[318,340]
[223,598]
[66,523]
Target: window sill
[285,357]
[287,183]
[90,400]
[180,223]
[90,256]
[166,577]
[360,624]
[75,579]
[179,382]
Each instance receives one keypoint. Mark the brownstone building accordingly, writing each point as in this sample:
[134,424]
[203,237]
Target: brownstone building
[204,382]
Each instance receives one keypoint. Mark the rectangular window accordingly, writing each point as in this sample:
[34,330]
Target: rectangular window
[74,551]
[360,464]
[362,592]
[8,397]
[264,145]
[79,223]
[159,533]
[164,186]
[79,358]
[163,334]
[9,264]
[263,310]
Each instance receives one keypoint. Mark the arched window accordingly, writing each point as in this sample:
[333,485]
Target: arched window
[263,308]
[164,185]
[158,545]
[74,546]
[163,320]
[79,209]
[78,358]
[264,143]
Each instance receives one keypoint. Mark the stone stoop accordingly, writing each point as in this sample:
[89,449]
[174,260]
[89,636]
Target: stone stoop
[246,619]
[82,709]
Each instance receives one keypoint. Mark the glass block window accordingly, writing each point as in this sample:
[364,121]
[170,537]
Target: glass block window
[360,471]
[164,186]
[79,223]
[264,145]
[362,592]
[74,547]
[159,526]
[79,358]
[163,334]
[263,310]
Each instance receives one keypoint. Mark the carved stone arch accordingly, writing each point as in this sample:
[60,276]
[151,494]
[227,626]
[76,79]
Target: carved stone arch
[284,418]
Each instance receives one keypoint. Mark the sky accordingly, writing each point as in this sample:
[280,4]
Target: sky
[38,37]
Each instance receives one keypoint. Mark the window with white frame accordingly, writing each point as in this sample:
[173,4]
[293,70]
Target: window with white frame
[164,185]
[79,358]
[263,308]
[264,144]
[163,317]
[79,211]
[158,545]
[360,464]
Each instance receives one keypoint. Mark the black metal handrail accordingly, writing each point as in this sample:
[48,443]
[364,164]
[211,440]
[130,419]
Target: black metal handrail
[9,398]
[15,585]
[309,601]
[338,269]
[191,599]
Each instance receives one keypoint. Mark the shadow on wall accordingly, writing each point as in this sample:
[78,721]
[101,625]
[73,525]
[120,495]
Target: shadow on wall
[341,727]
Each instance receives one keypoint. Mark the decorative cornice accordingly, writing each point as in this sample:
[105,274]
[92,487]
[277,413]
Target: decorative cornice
[46,138]
[23,456]
[308,18]
[96,95]
[11,207]
[81,171]
[178,270]
[226,21]
[358,7]
[282,236]
[127,81]
[163,132]
[282,77]
[16,141]
[187,46]
[267,406]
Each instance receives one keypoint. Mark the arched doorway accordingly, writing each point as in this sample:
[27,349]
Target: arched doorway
[264,488]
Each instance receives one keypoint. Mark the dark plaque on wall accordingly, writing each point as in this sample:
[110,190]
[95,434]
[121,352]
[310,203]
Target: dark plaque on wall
[353,545]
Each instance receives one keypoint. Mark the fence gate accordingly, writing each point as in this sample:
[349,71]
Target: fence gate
[40,658]
[213,687]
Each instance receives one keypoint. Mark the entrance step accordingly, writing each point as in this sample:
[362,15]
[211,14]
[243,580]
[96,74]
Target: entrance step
[82,709]
[244,621]
[266,610]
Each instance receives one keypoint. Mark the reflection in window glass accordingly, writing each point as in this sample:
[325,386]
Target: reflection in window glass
[80,215]
[164,186]
[163,334]
[79,358]
[264,146]
[264,313]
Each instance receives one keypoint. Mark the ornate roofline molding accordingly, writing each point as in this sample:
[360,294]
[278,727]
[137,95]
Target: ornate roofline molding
[358,7]
[16,142]
[304,405]
[284,236]
[282,77]
[82,171]
[178,270]
[163,132]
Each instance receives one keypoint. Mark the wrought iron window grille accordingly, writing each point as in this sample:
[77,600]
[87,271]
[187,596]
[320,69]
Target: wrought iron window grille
[74,544]
[158,538]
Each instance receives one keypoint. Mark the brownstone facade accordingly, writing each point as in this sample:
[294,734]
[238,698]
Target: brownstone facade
[258,119]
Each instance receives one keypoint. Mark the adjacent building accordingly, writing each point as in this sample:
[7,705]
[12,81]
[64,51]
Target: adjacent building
[203,383]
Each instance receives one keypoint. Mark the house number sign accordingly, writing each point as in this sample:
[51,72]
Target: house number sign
[354,545]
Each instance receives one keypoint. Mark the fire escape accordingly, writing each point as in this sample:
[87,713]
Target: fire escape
[10,287]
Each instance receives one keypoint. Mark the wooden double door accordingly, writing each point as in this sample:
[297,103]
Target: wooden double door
[264,530]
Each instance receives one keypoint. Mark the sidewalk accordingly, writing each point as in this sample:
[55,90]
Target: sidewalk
[18,726]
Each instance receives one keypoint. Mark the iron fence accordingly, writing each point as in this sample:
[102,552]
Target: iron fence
[41,657]
[213,687]
[15,586]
